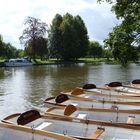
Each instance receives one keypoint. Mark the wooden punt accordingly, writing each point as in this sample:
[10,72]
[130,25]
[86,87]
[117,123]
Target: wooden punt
[10,131]
[123,116]
[99,95]
[136,83]
[117,86]
[34,122]
[64,100]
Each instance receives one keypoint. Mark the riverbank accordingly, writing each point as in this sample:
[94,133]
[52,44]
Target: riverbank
[56,62]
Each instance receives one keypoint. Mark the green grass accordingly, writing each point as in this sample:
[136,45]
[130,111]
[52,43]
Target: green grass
[93,59]
[52,61]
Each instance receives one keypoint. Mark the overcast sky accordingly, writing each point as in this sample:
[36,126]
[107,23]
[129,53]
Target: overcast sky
[98,18]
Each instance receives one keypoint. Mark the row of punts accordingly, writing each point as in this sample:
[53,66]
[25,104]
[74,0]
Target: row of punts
[111,112]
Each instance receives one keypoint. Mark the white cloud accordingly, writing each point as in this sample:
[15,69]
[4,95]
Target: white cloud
[98,18]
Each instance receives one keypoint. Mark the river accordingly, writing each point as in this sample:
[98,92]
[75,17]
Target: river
[22,88]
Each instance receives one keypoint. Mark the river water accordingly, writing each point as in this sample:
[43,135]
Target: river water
[23,88]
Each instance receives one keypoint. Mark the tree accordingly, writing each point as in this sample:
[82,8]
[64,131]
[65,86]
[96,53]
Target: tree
[120,41]
[68,37]
[41,47]
[35,29]
[7,50]
[81,37]
[126,36]
[95,50]
[55,37]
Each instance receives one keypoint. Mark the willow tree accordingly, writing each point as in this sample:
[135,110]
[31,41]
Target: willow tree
[34,29]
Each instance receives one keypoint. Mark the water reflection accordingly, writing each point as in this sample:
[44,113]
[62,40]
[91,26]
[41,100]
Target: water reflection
[25,87]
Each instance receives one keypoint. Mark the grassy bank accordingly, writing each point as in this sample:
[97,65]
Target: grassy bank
[1,62]
[81,60]
[55,61]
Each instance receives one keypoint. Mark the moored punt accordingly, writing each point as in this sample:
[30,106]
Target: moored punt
[81,93]
[117,86]
[74,127]
[129,117]
[18,132]
[113,88]
[136,83]
[64,100]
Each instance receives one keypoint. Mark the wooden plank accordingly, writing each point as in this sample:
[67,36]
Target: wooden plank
[99,131]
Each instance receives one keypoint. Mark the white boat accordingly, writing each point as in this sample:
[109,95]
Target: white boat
[117,86]
[136,83]
[10,129]
[64,100]
[17,132]
[18,62]
[34,123]
[100,95]
[113,88]
[109,115]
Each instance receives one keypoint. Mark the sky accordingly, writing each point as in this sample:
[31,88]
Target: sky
[98,18]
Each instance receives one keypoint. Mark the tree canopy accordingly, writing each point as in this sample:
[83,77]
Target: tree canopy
[125,38]
[95,49]
[68,37]
[7,50]
[34,29]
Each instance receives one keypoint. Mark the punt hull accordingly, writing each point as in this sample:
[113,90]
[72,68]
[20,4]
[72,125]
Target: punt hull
[51,102]
[73,127]
[17,132]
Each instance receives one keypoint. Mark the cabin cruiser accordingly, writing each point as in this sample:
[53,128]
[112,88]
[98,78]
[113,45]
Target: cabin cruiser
[18,62]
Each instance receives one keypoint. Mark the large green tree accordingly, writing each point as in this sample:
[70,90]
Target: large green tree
[33,30]
[41,48]
[81,37]
[55,37]
[95,49]
[125,38]
[68,37]
[120,42]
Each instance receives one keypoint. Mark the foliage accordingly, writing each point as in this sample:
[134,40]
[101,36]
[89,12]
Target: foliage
[35,29]
[120,42]
[125,38]
[95,50]
[68,37]
[7,50]
[55,37]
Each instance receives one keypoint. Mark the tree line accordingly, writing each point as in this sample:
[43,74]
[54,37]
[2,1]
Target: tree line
[68,37]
